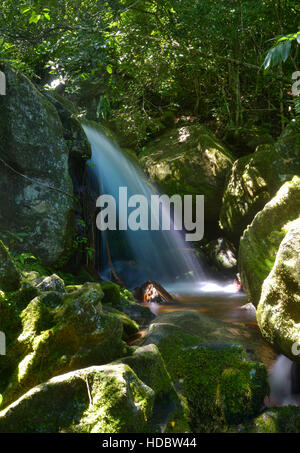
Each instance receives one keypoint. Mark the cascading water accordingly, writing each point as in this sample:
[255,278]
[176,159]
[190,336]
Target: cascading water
[140,255]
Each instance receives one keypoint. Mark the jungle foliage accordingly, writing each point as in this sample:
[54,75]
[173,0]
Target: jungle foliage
[137,64]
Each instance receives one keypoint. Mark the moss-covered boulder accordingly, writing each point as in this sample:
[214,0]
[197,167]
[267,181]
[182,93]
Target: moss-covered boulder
[190,160]
[9,275]
[34,171]
[219,384]
[278,311]
[100,399]
[221,387]
[60,333]
[261,240]
[255,180]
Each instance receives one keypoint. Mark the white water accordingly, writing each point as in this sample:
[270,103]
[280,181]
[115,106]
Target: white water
[137,256]
[281,383]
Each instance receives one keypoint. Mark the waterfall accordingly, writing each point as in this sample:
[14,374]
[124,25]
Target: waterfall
[140,255]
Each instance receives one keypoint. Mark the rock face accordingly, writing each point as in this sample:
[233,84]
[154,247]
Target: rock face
[34,171]
[100,399]
[73,133]
[278,312]
[9,276]
[261,240]
[190,160]
[60,333]
[220,385]
[255,180]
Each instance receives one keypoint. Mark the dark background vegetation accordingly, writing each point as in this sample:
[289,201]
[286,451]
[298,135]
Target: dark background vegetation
[138,65]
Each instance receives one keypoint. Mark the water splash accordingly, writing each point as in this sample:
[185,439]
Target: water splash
[137,256]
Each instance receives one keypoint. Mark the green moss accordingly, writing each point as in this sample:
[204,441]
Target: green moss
[221,387]
[111,293]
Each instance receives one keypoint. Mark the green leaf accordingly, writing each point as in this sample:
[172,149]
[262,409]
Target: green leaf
[109,69]
[286,50]
[25,10]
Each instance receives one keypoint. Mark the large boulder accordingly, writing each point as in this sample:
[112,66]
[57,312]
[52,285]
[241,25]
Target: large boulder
[190,161]
[219,384]
[278,311]
[261,240]
[255,180]
[34,172]
[100,399]
[60,333]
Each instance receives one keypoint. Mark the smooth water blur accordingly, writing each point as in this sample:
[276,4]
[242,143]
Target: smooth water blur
[218,300]
[284,383]
[137,256]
